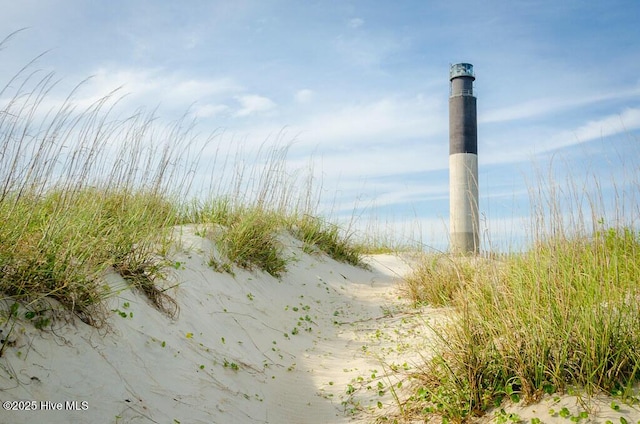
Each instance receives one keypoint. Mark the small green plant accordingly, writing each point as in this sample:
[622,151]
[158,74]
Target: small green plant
[513,394]
[121,313]
[231,365]
[502,417]
[221,266]
[41,323]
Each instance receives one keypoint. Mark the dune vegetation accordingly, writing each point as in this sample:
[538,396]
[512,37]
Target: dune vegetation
[561,317]
[84,192]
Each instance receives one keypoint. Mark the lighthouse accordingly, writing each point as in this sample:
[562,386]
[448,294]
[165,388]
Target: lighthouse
[463,161]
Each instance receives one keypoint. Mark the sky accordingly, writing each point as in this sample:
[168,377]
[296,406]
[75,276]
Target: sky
[360,89]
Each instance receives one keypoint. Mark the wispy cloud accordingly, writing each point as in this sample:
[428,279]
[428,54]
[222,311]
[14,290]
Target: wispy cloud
[154,86]
[548,106]
[383,121]
[372,165]
[627,120]
[515,145]
[209,110]
[399,194]
[252,103]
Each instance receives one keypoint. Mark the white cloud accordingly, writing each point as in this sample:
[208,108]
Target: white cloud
[137,82]
[399,194]
[253,103]
[548,106]
[520,144]
[304,96]
[193,89]
[147,88]
[209,110]
[364,165]
[382,121]
[152,86]
[627,120]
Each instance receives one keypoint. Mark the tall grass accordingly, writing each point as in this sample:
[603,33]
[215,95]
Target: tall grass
[247,235]
[565,314]
[81,193]
[60,244]
[84,192]
[263,200]
[319,234]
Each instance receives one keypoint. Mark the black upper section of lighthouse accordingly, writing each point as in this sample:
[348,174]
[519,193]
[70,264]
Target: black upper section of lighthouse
[463,120]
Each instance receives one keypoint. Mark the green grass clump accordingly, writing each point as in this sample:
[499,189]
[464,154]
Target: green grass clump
[564,314]
[317,233]
[248,236]
[252,239]
[61,243]
[438,278]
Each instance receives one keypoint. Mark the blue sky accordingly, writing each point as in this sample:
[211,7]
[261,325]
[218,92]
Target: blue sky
[362,86]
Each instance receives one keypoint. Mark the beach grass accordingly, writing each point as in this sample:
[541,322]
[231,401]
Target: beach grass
[85,192]
[562,316]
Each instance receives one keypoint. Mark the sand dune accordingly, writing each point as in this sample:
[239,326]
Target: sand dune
[315,346]
[247,348]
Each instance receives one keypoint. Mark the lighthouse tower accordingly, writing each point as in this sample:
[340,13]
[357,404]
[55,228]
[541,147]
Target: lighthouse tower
[463,161]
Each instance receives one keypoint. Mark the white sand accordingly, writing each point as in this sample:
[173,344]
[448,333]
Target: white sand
[147,368]
[568,409]
[226,359]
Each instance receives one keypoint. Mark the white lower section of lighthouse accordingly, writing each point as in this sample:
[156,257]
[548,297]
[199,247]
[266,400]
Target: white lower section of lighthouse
[464,221]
